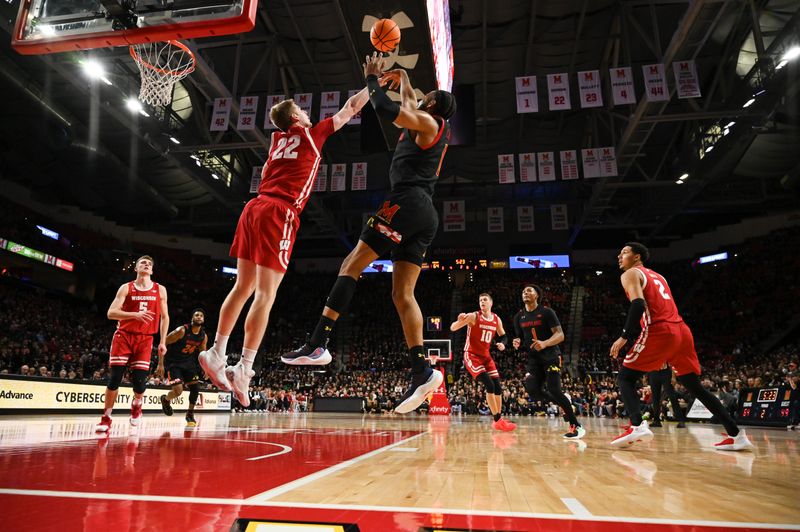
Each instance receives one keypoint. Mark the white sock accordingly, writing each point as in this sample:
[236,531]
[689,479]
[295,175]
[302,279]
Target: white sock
[137,401]
[107,412]
[220,344]
[248,357]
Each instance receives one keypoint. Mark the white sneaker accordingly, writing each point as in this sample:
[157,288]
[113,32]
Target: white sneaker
[214,365]
[240,382]
[633,435]
[740,442]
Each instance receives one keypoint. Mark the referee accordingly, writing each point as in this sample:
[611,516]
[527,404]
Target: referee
[538,333]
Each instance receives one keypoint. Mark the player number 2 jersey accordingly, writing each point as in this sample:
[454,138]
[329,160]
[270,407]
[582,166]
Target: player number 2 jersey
[660,305]
[137,300]
[293,162]
[480,335]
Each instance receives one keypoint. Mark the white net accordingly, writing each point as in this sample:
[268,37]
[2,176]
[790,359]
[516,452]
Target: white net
[161,65]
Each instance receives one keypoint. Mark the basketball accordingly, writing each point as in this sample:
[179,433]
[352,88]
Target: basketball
[385,35]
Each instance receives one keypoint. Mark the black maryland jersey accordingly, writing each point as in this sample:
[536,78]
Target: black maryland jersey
[188,346]
[415,166]
[536,324]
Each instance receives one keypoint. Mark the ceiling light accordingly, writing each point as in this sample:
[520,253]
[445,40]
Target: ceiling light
[684,176]
[748,103]
[144,113]
[730,125]
[174,140]
[133,105]
[678,182]
[781,64]
[709,149]
[725,131]
[791,53]
[106,80]
[215,176]
[93,69]
[759,93]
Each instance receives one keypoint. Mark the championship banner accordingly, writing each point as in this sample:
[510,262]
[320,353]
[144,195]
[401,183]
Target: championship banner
[505,168]
[31,393]
[527,168]
[525,218]
[221,115]
[608,162]
[453,216]
[589,88]
[495,222]
[547,167]
[686,79]
[591,163]
[329,105]
[527,95]
[248,106]
[558,217]
[303,101]
[655,83]
[255,179]
[359,180]
[622,85]
[356,117]
[569,164]
[321,183]
[338,176]
[272,100]
[558,92]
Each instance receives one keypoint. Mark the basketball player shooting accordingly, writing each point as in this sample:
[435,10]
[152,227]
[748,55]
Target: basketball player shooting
[660,336]
[404,226]
[482,327]
[266,233]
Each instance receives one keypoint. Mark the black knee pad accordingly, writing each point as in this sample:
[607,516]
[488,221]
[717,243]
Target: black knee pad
[487,382]
[115,377]
[497,389]
[194,393]
[139,378]
[341,293]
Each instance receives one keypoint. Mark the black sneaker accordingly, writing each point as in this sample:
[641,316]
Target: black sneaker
[308,355]
[681,425]
[576,432]
[190,422]
[165,406]
[421,385]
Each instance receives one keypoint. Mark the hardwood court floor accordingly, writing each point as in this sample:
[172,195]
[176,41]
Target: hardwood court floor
[386,473]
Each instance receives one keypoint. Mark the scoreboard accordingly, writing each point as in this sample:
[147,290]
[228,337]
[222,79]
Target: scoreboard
[766,406]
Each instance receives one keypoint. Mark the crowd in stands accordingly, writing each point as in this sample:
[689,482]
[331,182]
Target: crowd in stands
[732,307]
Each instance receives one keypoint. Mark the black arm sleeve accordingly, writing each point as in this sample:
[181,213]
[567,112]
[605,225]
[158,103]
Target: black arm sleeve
[383,105]
[632,326]
[503,340]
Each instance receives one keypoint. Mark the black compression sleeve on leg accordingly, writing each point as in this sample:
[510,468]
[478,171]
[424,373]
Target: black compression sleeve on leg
[194,393]
[632,326]
[627,380]
[115,377]
[673,399]
[487,382]
[692,383]
[656,381]
[139,378]
[383,105]
[497,389]
[554,387]
[341,293]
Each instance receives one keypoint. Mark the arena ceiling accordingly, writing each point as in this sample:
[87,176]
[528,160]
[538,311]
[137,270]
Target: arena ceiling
[73,142]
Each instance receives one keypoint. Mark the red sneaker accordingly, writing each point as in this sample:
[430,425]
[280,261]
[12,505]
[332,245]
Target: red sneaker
[104,425]
[136,414]
[509,425]
[505,426]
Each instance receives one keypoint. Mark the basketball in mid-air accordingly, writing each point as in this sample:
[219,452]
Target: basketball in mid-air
[385,35]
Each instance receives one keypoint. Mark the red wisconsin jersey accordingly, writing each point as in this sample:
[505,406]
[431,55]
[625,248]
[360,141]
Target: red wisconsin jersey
[293,162]
[137,300]
[660,305]
[480,335]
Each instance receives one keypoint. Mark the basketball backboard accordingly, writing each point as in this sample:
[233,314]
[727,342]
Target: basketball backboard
[440,349]
[49,26]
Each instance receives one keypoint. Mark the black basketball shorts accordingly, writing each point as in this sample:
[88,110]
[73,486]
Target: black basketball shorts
[186,370]
[405,225]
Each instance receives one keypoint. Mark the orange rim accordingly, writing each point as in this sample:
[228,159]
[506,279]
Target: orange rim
[175,73]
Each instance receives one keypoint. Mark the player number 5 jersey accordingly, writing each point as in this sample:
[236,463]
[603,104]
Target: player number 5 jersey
[137,300]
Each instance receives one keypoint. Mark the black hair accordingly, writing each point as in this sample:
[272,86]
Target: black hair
[445,104]
[199,309]
[535,289]
[639,249]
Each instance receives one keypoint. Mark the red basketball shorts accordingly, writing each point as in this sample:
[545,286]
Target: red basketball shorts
[477,364]
[664,342]
[131,349]
[266,233]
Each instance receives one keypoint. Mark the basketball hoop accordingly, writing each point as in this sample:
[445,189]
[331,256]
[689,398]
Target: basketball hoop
[161,65]
[433,359]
